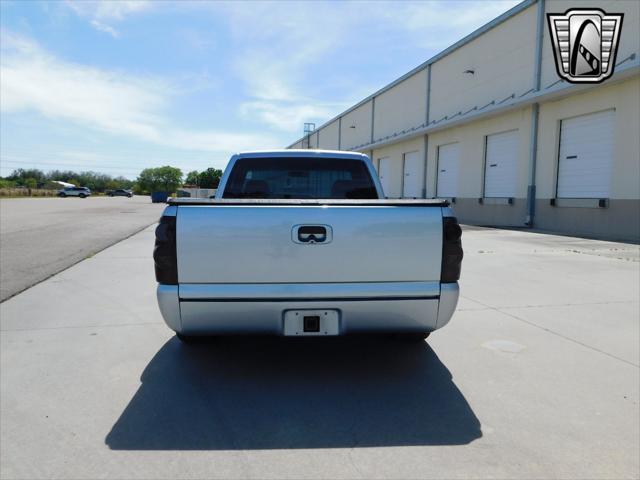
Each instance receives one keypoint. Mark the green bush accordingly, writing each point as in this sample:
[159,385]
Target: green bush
[210,178]
[97,182]
[161,179]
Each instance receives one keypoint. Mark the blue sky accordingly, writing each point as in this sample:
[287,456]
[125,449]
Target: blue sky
[120,86]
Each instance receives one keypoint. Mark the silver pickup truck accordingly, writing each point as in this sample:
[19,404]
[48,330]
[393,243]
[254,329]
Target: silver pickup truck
[304,243]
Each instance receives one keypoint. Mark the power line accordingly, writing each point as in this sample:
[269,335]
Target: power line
[59,166]
[134,154]
[45,162]
[30,154]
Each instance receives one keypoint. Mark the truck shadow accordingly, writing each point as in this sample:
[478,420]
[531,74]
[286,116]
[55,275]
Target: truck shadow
[272,393]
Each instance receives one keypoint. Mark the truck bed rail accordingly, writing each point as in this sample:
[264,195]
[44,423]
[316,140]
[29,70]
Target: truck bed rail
[305,202]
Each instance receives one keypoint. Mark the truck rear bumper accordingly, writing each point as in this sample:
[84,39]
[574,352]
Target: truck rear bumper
[207,309]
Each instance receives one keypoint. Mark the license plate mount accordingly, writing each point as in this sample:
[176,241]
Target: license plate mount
[299,323]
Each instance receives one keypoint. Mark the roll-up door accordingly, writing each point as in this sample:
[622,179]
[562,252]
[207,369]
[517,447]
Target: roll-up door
[501,165]
[586,155]
[384,172]
[448,160]
[412,185]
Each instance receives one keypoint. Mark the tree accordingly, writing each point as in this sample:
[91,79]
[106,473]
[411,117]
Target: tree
[193,178]
[123,182]
[30,182]
[112,185]
[96,181]
[21,175]
[161,179]
[210,178]
[147,180]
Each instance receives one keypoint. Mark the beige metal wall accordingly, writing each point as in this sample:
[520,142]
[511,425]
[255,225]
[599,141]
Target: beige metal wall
[625,99]
[621,218]
[356,127]
[396,156]
[503,61]
[471,138]
[402,107]
[329,136]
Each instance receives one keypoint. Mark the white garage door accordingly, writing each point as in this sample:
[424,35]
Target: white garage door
[412,186]
[501,165]
[586,154]
[448,159]
[384,172]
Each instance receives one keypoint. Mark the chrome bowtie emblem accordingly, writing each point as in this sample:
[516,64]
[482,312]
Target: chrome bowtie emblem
[585,43]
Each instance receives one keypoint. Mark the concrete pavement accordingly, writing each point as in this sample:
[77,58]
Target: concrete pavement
[42,236]
[536,376]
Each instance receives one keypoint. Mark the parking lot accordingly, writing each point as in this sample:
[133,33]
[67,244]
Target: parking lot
[536,376]
[42,236]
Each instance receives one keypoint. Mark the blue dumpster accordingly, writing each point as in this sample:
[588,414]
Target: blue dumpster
[159,197]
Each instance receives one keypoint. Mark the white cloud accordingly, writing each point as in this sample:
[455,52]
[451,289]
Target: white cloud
[202,41]
[105,28]
[112,102]
[287,116]
[99,12]
[277,47]
[108,9]
[440,24]
[276,44]
[280,43]
[455,16]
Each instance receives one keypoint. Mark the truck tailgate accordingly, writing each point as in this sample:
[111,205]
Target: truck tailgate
[235,244]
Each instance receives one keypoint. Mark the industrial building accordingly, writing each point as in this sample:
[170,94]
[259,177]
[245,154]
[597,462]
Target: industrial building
[489,124]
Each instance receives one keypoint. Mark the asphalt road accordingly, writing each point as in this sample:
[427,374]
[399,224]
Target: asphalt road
[536,376]
[42,236]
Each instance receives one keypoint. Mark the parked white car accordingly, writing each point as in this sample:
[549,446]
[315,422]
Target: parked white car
[81,192]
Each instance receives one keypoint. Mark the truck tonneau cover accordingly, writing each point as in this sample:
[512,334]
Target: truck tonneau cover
[421,202]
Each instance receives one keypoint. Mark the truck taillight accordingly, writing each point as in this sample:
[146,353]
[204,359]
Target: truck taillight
[451,250]
[164,252]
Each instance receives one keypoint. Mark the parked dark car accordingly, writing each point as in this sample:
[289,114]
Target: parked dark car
[121,192]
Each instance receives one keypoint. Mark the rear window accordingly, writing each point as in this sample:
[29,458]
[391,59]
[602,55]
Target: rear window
[300,178]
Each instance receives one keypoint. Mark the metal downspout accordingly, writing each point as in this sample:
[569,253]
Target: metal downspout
[425,182]
[373,117]
[535,113]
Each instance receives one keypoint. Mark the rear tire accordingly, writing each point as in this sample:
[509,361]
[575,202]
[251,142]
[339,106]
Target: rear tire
[412,337]
[62,195]
[188,339]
